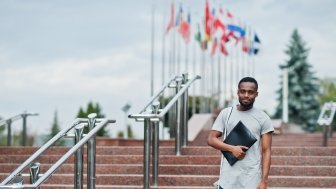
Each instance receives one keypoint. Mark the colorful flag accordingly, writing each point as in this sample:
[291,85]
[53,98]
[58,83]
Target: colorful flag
[171,20]
[208,21]
[223,40]
[214,46]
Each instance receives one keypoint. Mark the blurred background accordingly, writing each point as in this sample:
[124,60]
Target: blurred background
[63,59]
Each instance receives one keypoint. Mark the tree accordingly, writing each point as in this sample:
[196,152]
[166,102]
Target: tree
[328,91]
[55,129]
[303,86]
[93,108]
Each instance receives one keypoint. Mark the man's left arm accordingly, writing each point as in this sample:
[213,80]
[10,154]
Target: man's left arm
[266,142]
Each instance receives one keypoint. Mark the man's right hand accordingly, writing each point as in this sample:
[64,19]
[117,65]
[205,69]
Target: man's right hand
[239,151]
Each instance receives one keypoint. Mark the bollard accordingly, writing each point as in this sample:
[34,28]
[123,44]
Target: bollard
[79,157]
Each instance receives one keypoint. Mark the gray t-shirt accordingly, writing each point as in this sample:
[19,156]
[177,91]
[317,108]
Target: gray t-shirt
[245,173]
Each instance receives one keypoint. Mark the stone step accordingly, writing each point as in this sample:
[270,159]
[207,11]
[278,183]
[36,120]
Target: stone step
[183,169]
[164,150]
[56,186]
[194,180]
[172,159]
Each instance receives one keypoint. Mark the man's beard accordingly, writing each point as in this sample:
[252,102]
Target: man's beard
[246,104]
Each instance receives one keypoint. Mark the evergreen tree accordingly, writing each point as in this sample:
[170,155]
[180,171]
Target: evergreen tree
[93,108]
[303,87]
[55,129]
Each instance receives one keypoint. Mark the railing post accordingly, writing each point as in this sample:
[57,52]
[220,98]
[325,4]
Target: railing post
[91,154]
[185,112]
[178,118]
[9,132]
[146,165]
[155,148]
[79,157]
[34,171]
[24,128]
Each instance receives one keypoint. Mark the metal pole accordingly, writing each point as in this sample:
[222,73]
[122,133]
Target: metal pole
[34,172]
[24,128]
[178,118]
[325,135]
[91,154]
[152,52]
[79,158]
[155,146]
[285,96]
[184,113]
[9,132]
[147,131]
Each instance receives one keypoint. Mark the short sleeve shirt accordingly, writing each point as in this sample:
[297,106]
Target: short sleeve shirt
[245,173]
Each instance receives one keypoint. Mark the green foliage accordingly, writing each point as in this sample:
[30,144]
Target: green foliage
[303,86]
[55,129]
[328,91]
[92,108]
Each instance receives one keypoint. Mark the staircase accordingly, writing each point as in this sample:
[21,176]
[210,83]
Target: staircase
[298,161]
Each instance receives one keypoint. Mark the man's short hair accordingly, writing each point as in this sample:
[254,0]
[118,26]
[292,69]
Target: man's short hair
[248,79]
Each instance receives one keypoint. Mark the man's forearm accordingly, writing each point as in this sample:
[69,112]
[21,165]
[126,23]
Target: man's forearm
[266,164]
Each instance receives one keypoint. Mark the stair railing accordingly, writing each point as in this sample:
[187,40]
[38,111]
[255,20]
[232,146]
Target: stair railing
[78,125]
[8,122]
[151,115]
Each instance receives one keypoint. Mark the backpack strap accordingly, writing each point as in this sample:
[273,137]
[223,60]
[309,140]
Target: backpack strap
[227,122]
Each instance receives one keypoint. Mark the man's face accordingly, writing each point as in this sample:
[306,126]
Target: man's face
[247,92]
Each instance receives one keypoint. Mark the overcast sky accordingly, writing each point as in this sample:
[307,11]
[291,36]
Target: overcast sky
[59,55]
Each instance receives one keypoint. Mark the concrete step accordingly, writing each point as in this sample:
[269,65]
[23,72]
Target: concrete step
[183,169]
[165,150]
[194,180]
[172,159]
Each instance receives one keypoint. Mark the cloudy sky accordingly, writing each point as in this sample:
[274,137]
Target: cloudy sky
[59,55]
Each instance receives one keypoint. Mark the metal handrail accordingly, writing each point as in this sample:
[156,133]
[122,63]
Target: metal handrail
[168,106]
[157,94]
[154,115]
[8,122]
[79,121]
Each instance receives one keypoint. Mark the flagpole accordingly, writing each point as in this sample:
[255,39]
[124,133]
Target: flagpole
[219,81]
[194,73]
[152,53]
[163,49]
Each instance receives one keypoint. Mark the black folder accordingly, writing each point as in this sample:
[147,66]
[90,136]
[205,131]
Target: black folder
[239,136]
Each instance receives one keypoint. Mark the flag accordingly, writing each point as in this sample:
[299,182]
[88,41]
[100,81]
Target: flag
[198,35]
[184,30]
[256,38]
[236,32]
[208,21]
[218,24]
[223,40]
[255,45]
[214,46]
[171,20]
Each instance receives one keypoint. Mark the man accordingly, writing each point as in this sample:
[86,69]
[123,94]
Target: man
[252,169]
